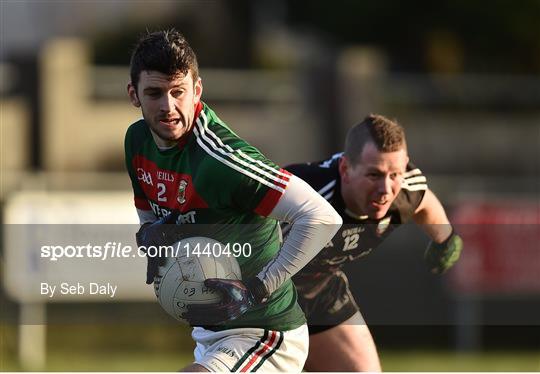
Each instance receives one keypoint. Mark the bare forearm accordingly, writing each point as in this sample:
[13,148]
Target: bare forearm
[431,217]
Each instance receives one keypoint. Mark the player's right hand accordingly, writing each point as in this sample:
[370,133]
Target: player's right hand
[164,231]
[237,298]
[442,256]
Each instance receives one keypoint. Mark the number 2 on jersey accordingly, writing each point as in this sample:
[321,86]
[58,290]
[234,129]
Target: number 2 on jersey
[161,192]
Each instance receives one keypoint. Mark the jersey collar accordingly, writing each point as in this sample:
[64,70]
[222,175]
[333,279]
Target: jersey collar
[185,138]
[354,215]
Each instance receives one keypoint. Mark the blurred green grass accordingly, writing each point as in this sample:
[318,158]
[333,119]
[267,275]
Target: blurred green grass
[169,348]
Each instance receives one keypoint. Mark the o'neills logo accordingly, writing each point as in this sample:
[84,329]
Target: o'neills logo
[181,198]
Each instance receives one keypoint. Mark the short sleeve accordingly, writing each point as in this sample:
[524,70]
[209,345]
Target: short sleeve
[412,192]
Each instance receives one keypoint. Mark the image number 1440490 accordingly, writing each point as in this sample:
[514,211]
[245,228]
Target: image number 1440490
[217,249]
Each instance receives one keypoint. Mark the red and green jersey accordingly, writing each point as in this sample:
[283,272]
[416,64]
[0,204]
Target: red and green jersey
[213,178]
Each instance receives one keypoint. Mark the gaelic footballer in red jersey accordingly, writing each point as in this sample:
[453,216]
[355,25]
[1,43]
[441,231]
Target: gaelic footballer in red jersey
[190,171]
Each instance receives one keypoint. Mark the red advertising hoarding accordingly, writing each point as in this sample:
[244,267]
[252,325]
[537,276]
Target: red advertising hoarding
[502,247]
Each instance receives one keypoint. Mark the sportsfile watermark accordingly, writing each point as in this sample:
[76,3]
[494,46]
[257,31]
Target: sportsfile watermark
[108,250]
[100,252]
[88,272]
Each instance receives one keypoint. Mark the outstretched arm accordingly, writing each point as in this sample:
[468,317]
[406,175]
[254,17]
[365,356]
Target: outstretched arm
[430,215]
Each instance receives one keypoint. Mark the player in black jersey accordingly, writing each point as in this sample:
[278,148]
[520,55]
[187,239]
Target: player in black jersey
[375,188]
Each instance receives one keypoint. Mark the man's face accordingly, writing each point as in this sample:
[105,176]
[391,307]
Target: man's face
[167,104]
[370,186]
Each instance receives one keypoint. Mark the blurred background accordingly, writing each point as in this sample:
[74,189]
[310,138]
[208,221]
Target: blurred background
[462,77]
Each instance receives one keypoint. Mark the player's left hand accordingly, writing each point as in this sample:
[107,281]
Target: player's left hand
[442,256]
[164,231]
[237,298]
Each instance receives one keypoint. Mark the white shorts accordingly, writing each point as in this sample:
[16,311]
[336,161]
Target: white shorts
[251,349]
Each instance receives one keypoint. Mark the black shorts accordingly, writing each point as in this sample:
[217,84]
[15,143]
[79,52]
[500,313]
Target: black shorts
[328,307]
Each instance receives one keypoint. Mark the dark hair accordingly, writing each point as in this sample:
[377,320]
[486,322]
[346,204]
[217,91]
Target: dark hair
[387,135]
[165,51]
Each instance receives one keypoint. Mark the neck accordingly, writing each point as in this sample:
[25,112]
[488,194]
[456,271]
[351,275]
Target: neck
[350,207]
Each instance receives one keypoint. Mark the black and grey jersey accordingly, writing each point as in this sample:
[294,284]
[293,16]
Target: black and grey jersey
[358,236]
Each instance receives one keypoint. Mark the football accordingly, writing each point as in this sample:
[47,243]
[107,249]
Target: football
[180,280]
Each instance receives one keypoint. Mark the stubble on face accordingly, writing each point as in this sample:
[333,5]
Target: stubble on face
[168,105]
[372,184]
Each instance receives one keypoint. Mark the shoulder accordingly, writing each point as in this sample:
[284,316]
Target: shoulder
[224,151]
[215,136]
[137,128]
[136,134]
[413,189]
[322,175]
[413,179]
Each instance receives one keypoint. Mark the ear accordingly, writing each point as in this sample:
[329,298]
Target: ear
[198,89]
[343,168]
[405,160]
[132,93]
